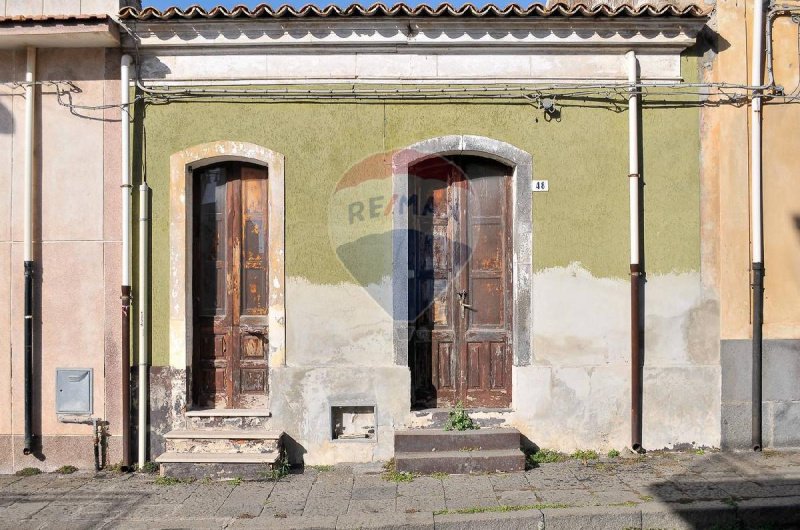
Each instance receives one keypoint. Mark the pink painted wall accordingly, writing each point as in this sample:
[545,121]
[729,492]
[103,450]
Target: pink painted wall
[76,247]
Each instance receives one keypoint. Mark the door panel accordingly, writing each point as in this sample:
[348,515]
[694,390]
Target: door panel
[460,283]
[487,275]
[230,286]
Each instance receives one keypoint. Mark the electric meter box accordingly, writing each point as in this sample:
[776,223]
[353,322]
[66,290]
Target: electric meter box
[74,391]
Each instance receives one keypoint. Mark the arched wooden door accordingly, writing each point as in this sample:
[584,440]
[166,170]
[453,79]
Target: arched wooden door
[460,285]
[230,287]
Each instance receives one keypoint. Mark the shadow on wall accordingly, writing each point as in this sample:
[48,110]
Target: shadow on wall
[6,120]
[797,224]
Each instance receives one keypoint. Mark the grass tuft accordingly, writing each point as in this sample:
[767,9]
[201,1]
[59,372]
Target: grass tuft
[584,455]
[167,481]
[28,472]
[391,474]
[149,467]
[613,453]
[66,470]
[545,456]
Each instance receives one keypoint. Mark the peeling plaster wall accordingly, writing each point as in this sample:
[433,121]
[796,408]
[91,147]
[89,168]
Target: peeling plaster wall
[339,334]
[76,247]
[576,393]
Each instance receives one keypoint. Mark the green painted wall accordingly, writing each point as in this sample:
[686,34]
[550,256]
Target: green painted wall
[583,218]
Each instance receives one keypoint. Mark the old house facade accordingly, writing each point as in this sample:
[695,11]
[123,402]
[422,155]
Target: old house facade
[342,222]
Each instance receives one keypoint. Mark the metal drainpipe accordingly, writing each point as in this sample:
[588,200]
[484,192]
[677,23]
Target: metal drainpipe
[636,271]
[125,173]
[144,219]
[756,219]
[30,93]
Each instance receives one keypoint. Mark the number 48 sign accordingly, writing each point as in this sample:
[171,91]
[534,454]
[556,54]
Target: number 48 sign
[539,185]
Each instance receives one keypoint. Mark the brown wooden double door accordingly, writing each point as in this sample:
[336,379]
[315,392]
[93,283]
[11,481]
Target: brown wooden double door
[230,287]
[460,282]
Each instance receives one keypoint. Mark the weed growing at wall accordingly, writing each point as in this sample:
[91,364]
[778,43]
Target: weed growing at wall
[167,481]
[149,467]
[28,472]
[66,470]
[584,455]
[545,456]
[391,474]
[280,469]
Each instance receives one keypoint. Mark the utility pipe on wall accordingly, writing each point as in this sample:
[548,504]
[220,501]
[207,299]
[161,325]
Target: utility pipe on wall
[30,92]
[144,259]
[125,173]
[636,270]
[756,218]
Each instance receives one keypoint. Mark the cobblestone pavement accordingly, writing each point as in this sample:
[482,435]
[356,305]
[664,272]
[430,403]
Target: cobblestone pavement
[659,490]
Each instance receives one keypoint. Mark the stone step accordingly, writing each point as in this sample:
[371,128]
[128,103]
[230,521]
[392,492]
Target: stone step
[484,417]
[461,462]
[216,419]
[427,440]
[217,465]
[223,441]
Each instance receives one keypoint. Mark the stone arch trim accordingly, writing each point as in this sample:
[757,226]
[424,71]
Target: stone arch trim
[182,164]
[521,164]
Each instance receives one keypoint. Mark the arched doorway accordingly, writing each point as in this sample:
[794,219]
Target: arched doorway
[490,271]
[185,166]
[460,282]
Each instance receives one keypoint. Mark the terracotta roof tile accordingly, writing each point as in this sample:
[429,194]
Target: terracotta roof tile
[560,9]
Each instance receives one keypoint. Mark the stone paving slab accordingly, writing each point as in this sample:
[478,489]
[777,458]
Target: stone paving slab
[660,490]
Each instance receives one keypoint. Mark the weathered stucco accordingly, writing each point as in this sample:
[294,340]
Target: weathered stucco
[577,392]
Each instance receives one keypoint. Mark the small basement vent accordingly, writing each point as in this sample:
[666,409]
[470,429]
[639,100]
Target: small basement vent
[353,422]
[73,391]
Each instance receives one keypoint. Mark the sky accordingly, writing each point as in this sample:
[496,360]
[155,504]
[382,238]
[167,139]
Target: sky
[161,4]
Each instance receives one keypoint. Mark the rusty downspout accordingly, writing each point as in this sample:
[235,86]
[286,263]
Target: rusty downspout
[634,181]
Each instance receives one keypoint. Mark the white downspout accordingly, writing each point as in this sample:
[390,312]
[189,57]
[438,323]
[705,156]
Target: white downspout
[633,154]
[30,94]
[755,136]
[144,290]
[125,100]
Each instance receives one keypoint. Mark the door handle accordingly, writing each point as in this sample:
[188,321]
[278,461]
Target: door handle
[462,297]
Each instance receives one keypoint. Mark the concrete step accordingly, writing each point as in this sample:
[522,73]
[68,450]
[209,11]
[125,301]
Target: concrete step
[223,441]
[427,440]
[217,465]
[457,462]
[216,419]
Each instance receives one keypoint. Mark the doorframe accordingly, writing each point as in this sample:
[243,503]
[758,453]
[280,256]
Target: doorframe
[521,165]
[181,310]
